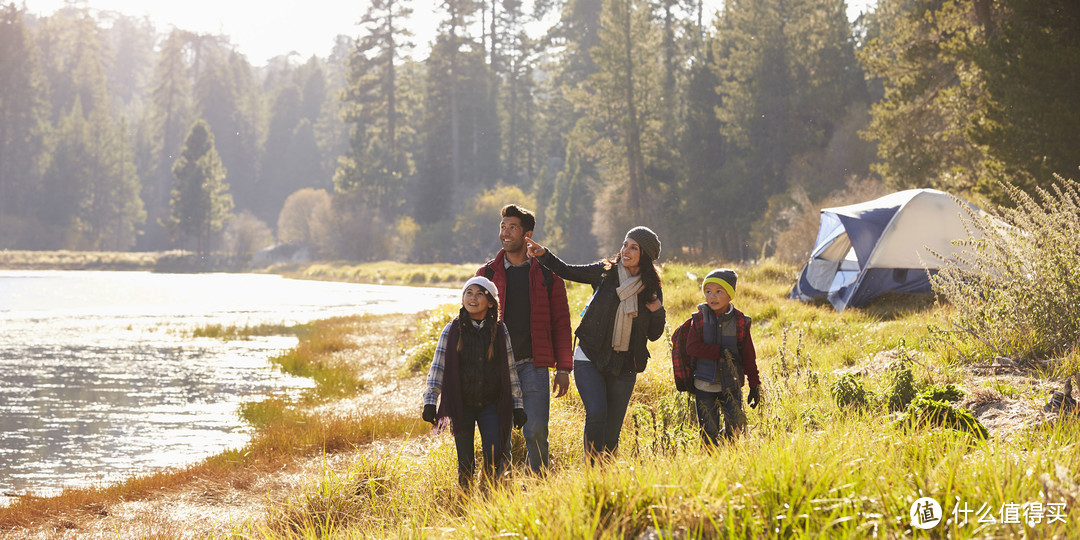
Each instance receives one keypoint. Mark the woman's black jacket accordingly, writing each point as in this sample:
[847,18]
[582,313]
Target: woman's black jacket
[598,322]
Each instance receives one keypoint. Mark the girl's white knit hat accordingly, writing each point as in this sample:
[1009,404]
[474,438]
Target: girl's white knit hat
[485,283]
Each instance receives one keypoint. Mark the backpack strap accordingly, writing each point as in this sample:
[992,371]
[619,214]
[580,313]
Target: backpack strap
[549,277]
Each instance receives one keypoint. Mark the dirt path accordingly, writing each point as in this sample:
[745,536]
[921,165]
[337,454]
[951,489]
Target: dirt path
[205,508]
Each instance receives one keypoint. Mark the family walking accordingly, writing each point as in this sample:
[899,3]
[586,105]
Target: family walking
[492,363]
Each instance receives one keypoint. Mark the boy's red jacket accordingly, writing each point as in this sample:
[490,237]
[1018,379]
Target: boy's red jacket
[693,346]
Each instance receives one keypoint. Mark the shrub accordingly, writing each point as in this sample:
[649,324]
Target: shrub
[926,412]
[848,391]
[901,388]
[1016,283]
[427,333]
[943,392]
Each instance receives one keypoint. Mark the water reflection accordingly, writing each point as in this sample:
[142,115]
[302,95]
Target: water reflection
[100,379]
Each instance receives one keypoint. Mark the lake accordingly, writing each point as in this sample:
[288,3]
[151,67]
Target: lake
[100,378]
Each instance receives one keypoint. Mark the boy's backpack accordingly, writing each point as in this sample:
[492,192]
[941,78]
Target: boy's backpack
[682,364]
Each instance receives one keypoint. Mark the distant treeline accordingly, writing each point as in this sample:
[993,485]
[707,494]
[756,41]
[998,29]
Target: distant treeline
[725,132]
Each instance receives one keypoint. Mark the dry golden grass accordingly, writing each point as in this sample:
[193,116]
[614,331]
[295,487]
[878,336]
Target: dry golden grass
[80,260]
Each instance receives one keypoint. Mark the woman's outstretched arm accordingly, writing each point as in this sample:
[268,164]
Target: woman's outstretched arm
[585,273]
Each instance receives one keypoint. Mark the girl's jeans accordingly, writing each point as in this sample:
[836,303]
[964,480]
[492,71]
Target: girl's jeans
[487,419]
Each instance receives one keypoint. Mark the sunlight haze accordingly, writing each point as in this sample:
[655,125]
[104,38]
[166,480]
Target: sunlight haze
[262,31]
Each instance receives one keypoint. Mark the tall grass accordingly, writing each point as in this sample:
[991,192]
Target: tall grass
[808,467]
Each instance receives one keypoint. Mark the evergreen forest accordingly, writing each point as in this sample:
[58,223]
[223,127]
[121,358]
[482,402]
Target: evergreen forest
[725,131]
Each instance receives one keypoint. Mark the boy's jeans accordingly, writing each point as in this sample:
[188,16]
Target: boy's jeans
[605,398]
[487,419]
[709,407]
[536,391]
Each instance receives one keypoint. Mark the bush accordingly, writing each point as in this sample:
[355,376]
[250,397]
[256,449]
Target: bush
[943,392]
[427,333]
[848,391]
[901,388]
[1016,283]
[925,412]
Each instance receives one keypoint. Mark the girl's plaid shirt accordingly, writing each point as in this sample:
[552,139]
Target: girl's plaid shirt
[438,365]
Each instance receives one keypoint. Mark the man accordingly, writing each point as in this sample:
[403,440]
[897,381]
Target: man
[537,317]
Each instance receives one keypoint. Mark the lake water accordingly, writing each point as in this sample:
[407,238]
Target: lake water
[100,378]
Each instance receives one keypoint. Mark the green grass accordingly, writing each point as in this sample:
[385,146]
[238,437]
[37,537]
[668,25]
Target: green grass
[807,468]
[382,272]
[233,332]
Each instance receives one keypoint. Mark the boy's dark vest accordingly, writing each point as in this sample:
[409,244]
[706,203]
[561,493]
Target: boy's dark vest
[453,391]
[721,330]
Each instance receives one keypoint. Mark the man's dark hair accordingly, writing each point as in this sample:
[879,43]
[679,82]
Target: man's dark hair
[528,220]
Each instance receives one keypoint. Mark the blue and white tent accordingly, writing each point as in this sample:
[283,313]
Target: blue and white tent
[867,249]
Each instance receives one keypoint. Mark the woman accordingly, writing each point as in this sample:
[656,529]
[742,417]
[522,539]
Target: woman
[626,309]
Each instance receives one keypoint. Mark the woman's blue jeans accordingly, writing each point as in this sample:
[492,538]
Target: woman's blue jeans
[605,398]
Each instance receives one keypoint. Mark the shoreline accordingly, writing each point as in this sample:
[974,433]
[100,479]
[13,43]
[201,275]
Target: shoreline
[259,466]
[183,262]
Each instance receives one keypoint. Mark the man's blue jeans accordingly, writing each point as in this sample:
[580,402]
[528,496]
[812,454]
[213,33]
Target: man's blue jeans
[605,398]
[536,391]
[487,419]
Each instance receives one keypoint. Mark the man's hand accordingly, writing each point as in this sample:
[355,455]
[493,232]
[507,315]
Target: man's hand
[560,384]
[520,418]
[429,414]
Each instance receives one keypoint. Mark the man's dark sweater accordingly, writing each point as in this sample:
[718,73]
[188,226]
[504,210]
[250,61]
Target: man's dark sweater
[516,311]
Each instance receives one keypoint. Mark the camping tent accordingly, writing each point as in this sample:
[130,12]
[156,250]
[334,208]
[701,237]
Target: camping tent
[878,246]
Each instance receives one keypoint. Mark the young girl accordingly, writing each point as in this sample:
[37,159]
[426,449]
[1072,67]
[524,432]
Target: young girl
[472,370]
[625,312]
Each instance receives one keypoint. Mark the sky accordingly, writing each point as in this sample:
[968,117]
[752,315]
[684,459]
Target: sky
[263,30]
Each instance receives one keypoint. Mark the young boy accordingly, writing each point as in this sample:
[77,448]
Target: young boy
[723,354]
[472,369]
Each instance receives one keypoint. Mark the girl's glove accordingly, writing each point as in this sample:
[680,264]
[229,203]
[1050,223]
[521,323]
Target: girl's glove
[429,414]
[754,397]
[520,418]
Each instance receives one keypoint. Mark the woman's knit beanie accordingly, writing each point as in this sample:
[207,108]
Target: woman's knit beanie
[647,240]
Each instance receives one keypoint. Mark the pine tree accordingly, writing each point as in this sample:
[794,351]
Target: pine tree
[24,112]
[200,200]
[380,154]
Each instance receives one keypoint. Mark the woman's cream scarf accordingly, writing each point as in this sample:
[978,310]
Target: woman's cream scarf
[629,287]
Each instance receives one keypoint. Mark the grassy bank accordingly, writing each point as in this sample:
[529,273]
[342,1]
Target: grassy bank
[79,260]
[382,272]
[811,465]
[285,430]
[832,451]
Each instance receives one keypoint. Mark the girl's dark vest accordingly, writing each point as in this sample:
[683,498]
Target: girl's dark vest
[455,394]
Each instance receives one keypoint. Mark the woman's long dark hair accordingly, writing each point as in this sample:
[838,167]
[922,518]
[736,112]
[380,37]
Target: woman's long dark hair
[650,274]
